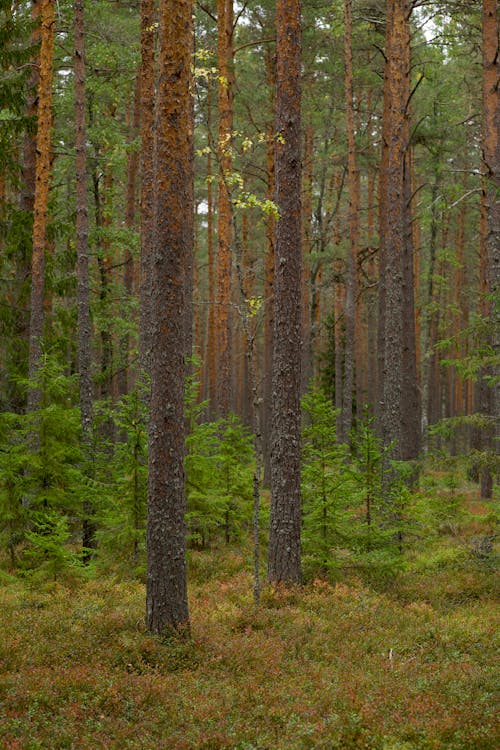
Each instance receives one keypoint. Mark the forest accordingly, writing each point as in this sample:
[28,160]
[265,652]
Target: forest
[249,374]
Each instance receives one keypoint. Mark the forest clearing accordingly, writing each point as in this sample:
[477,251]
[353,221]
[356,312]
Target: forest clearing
[249,374]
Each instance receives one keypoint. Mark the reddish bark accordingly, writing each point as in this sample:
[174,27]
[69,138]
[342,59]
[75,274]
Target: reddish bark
[223,309]
[352,278]
[284,538]
[42,186]
[148,190]
[166,601]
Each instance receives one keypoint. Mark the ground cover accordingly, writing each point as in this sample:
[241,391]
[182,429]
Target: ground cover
[406,665]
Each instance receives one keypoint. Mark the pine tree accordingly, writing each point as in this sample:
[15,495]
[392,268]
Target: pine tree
[284,540]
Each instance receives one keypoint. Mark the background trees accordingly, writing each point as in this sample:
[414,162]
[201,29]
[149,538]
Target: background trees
[396,220]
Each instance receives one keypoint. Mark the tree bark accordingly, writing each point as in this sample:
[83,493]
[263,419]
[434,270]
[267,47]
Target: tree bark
[284,540]
[166,601]
[395,257]
[42,184]
[134,114]
[352,280]
[211,354]
[306,260]
[82,252]
[226,85]
[267,368]
[147,74]
[491,161]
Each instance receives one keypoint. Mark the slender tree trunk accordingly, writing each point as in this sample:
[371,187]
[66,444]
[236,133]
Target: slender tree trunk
[42,183]
[166,602]
[27,198]
[339,296]
[352,280]
[371,293]
[82,253]
[248,282]
[104,263]
[211,355]
[134,115]
[428,316]
[267,368]
[284,539]
[148,189]
[26,203]
[226,85]
[306,259]
[491,160]
[410,403]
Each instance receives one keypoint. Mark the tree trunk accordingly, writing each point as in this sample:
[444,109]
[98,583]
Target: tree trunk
[267,368]
[491,159]
[82,253]
[42,182]
[306,253]
[352,280]
[148,189]
[395,252]
[284,540]
[134,114]
[226,84]
[166,603]
[211,354]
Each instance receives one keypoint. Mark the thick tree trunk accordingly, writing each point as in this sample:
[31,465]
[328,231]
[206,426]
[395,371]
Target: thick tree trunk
[395,259]
[42,183]
[284,539]
[226,85]
[352,279]
[166,604]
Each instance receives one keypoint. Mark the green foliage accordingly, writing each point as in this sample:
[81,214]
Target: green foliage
[354,508]
[219,476]
[49,554]
[327,484]
[15,51]
[13,464]
[41,482]
[121,509]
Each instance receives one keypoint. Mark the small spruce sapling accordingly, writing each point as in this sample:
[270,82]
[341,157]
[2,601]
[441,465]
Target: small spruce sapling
[122,517]
[326,487]
[381,496]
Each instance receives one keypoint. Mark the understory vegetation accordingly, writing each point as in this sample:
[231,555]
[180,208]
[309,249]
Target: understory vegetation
[407,663]
[390,644]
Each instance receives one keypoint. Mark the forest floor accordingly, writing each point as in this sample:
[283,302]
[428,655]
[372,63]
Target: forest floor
[407,665]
